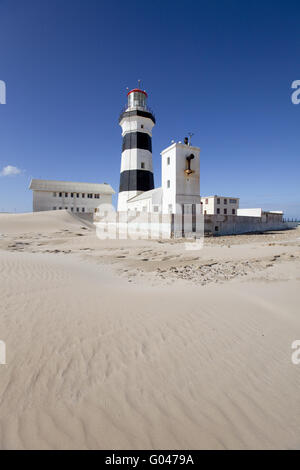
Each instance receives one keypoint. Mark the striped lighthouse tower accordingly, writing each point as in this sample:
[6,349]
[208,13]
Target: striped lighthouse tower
[137,122]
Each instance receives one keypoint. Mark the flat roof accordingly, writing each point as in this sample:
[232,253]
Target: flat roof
[174,144]
[216,195]
[70,186]
[145,195]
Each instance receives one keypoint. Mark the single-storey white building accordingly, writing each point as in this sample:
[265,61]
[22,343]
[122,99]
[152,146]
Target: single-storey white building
[75,197]
[257,212]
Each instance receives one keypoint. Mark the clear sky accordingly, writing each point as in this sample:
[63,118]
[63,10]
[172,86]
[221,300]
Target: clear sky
[220,69]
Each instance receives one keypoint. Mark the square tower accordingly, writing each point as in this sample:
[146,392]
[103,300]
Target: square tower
[180,177]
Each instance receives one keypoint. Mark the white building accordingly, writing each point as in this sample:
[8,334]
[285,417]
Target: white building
[180,167]
[256,212]
[220,205]
[75,197]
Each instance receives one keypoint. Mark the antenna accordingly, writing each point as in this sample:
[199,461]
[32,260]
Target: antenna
[190,134]
[139,84]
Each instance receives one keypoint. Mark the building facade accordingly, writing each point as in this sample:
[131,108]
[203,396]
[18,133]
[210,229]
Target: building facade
[220,205]
[180,170]
[65,195]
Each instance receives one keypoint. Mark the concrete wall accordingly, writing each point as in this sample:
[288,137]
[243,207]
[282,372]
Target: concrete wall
[230,225]
[46,201]
[132,224]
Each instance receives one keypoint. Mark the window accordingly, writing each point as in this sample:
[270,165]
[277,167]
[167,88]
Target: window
[225,211]
[225,201]
[83,195]
[77,210]
[90,196]
[54,208]
[54,194]
[60,208]
[66,208]
[97,196]
[218,200]
[142,126]
[72,209]
[168,183]
[218,210]
[60,194]
[143,165]
[232,201]
[155,208]
[205,212]
[66,194]
[168,161]
[83,209]
[72,194]
[77,194]
[216,228]
[206,201]
[233,211]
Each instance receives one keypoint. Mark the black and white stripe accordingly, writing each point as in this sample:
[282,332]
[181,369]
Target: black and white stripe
[137,140]
[136,164]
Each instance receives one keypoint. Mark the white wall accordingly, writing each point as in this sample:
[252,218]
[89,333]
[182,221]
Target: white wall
[135,123]
[210,205]
[152,203]
[46,201]
[132,159]
[144,205]
[184,189]
[255,212]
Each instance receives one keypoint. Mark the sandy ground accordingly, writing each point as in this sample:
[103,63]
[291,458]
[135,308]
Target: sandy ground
[145,344]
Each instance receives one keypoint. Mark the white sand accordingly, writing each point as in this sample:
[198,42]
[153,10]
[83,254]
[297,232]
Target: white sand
[108,350]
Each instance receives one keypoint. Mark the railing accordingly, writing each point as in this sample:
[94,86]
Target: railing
[147,109]
[291,220]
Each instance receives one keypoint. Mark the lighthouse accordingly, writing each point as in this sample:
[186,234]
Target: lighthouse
[136,122]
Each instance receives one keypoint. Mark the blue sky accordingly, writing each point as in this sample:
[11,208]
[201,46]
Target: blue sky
[220,69]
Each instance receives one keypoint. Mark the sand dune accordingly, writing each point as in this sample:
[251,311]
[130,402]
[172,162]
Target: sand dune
[107,350]
[40,222]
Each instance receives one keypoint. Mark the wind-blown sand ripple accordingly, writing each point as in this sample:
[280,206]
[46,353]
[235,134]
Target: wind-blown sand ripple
[96,362]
